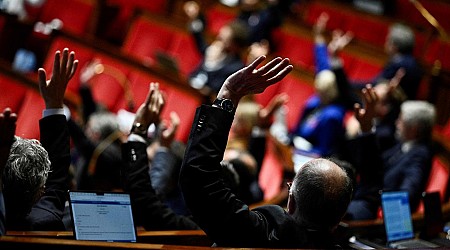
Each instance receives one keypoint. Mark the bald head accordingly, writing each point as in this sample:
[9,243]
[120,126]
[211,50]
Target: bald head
[322,191]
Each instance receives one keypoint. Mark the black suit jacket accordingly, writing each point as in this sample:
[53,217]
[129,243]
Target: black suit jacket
[47,213]
[148,210]
[227,220]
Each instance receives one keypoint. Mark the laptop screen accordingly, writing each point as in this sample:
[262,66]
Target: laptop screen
[397,215]
[102,216]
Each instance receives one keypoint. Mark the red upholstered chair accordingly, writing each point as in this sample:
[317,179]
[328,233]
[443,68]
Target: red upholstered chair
[12,93]
[271,174]
[438,50]
[76,15]
[337,18]
[116,27]
[438,180]
[299,91]
[109,87]
[298,48]
[29,115]
[145,38]
[367,29]
[358,68]
[218,16]
[184,51]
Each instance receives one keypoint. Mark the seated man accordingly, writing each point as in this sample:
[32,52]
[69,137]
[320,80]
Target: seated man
[406,166]
[39,174]
[318,197]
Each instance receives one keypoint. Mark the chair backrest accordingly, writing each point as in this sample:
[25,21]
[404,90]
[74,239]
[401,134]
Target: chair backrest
[76,15]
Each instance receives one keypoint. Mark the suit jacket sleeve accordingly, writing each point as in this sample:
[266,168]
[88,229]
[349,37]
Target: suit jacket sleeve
[226,219]
[161,172]
[47,213]
[148,210]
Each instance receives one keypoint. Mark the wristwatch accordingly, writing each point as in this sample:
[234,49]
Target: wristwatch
[225,104]
[140,129]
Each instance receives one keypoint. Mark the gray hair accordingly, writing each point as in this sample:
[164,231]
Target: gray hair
[25,174]
[322,191]
[421,114]
[103,123]
[402,37]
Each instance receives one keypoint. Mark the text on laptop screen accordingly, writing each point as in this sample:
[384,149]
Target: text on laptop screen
[102,217]
[397,216]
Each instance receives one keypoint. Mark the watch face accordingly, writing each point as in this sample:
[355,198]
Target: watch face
[227,105]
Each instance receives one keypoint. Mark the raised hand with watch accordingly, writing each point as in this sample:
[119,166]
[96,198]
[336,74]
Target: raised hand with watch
[251,80]
[149,112]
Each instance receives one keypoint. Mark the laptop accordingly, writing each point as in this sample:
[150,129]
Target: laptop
[398,221]
[102,216]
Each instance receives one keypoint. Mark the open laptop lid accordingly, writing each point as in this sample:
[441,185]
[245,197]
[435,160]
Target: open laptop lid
[397,216]
[102,216]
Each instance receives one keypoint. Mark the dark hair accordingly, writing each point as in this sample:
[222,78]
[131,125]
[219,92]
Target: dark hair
[322,193]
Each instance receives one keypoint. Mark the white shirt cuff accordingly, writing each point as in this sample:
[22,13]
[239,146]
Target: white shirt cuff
[136,138]
[49,112]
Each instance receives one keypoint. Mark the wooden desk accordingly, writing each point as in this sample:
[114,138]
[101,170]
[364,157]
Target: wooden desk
[181,237]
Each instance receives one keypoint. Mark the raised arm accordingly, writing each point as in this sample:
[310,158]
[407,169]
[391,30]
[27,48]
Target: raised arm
[148,209]
[227,220]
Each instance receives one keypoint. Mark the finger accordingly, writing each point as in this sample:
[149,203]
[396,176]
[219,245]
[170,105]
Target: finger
[42,75]
[68,69]
[283,73]
[65,58]
[357,111]
[74,69]
[174,119]
[266,68]
[149,94]
[277,68]
[256,62]
[56,62]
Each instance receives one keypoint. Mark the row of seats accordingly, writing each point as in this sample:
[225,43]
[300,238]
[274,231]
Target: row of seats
[373,29]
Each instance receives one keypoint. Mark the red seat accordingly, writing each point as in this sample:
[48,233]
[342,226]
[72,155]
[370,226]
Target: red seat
[369,30]
[438,50]
[271,174]
[108,88]
[438,180]
[117,26]
[29,115]
[298,48]
[76,15]
[440,10]
[299,92]
[336,21]
[218,16]
[184,51]
[358,68]
[13,94]
[145,38]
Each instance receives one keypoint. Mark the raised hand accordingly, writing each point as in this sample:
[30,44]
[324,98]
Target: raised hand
[365,115]
[251,80]
[169,130]
[150,111]
[53,90]
[321,24]
[265,114]
[338,41]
